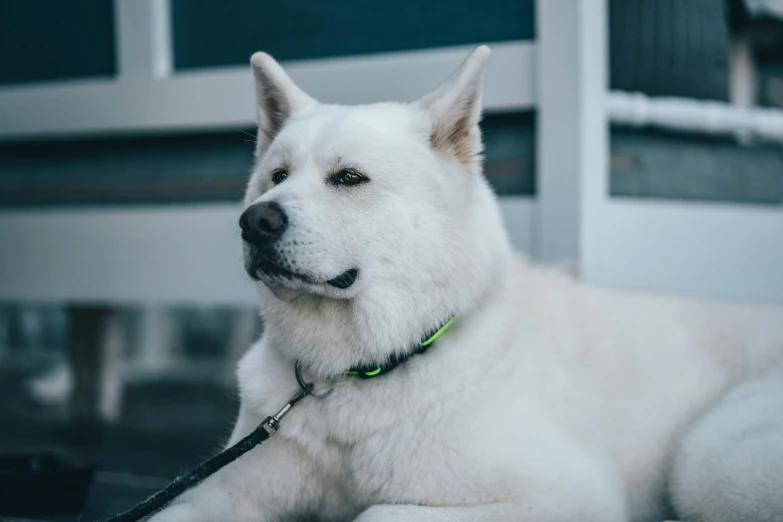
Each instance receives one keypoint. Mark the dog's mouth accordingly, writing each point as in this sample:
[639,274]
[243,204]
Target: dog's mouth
[270,268]
[344,280]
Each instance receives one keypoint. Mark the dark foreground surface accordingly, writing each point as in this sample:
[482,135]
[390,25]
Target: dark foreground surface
[165,429]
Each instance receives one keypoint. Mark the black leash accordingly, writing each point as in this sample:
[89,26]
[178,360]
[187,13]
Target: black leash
[266,429]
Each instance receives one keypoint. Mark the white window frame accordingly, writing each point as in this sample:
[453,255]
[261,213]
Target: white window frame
[148,95]
[700,249]
[139,254]
[696,249]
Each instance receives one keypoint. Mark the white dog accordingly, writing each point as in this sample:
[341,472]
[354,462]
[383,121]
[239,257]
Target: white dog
[368,228]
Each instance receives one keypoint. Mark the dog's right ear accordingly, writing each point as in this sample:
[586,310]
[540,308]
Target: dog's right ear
[455,109]
[277,97]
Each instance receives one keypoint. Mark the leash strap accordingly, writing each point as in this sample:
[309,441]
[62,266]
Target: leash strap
[190,479]
[266,429]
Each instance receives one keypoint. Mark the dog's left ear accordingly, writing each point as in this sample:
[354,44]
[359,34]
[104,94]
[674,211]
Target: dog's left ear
[277,96]
[455,109]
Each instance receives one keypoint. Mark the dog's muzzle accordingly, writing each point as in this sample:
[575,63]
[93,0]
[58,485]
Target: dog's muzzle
[263,224]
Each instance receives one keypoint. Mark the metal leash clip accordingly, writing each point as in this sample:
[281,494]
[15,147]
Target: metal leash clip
[272,423]
[184,482]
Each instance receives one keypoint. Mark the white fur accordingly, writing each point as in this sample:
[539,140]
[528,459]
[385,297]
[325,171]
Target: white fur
[548,400]
[730,464]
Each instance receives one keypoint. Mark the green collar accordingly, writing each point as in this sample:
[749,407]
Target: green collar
[374,370]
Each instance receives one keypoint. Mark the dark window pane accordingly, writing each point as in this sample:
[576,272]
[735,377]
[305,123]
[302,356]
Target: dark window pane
[648,164]
[204,167]
[509,153]
[198,167]
[209,33]
[214,167]
[43,40]
[669,47]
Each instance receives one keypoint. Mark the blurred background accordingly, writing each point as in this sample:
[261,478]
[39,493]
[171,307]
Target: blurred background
[638,142]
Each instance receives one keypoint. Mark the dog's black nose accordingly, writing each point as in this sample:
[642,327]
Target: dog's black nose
[263,223]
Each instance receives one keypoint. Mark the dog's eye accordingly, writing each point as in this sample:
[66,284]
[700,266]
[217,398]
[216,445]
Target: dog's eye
[347,177]
[279,176]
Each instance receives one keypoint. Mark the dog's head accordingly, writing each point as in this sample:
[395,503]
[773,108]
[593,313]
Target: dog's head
[382,204]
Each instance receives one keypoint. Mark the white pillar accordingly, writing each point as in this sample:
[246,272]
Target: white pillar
[155,346]
[143,39]
[112,383]
[743,79]
[743,83]
[571,123]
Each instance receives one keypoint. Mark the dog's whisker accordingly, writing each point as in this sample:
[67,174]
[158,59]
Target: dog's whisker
[248,133]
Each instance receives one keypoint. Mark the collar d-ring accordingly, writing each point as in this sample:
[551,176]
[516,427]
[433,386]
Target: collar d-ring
[306,387]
